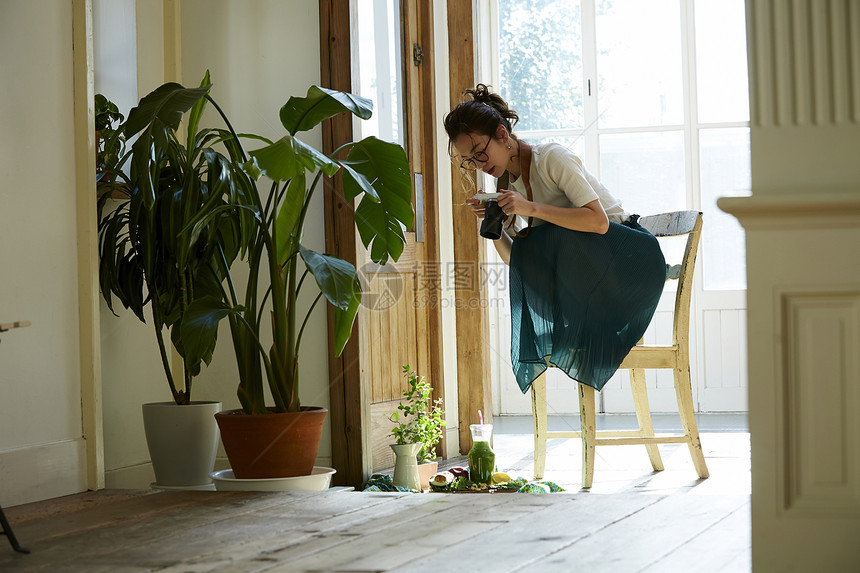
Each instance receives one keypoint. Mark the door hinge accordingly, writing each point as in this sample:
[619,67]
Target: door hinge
[417,54]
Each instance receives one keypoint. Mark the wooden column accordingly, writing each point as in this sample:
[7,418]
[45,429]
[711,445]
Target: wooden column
[348,424]
[473,353]
[424,121]
[88,244]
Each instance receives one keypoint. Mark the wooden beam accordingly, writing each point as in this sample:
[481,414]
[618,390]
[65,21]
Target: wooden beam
[431,201]
[421,89]
[473,357]
[89,334]
[349,426]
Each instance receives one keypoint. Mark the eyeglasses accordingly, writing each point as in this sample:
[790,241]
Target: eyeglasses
[471,163]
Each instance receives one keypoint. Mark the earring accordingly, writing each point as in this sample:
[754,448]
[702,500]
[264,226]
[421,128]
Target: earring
[509,147]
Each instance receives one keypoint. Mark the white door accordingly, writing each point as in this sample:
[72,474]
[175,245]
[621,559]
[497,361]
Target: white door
[654,97]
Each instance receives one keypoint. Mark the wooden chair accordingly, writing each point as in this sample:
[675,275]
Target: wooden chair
[675,357]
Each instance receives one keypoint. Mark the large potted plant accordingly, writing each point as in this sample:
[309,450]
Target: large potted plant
[418,427]
[148,262]
[282,440]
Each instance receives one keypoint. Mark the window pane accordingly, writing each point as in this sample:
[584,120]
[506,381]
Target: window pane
[379,75]
[725,171]
[721,58]
[575,143]
[645,170]
[639,63]
[540,61]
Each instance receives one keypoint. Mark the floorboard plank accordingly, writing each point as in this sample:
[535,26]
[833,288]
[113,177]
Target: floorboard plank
[304,538]
[642,538]
[160,530]
[537,534]
[726,543]
[449,518]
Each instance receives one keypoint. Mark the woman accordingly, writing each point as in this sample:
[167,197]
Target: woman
[585,277]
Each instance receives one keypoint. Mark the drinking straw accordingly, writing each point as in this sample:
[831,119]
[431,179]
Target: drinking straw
[480,417]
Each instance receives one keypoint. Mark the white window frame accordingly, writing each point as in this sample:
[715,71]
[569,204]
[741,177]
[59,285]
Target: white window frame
[486,33]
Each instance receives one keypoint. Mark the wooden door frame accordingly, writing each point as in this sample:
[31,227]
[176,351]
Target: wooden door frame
[421,113]
[474,375]
[349,398]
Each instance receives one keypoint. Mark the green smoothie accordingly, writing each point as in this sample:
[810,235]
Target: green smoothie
[482,463]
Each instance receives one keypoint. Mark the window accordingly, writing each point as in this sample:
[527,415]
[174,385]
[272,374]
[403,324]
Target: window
[651,93]
[379,60]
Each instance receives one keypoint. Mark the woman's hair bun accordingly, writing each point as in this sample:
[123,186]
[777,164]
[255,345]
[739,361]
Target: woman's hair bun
[482,94]
[480,112]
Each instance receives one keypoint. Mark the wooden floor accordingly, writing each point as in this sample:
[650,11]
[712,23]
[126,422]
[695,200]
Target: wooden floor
[632,520]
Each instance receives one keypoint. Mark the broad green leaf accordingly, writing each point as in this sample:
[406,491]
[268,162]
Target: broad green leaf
[379,231]
[302,114]
[286,226]
[166,103]
[251,169]
[335,277]
[381,221]
[197,113]
[344,319]
[386,167]
[199,328]
[288,157]
[354,183]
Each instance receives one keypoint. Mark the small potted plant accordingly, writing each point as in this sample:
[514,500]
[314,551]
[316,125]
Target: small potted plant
[418,429]
[110,147]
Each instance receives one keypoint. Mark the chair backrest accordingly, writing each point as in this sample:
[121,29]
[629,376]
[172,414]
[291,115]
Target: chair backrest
[672,225]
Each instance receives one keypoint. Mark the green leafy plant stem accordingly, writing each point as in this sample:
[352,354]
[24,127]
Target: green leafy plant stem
[162,349]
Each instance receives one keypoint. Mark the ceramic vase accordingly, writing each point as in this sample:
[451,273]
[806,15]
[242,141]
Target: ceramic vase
[406,465]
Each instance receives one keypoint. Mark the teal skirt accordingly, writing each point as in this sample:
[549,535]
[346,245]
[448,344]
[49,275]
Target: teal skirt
[581,300]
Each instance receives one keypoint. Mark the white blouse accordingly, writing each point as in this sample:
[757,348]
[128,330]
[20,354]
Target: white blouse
[558,177]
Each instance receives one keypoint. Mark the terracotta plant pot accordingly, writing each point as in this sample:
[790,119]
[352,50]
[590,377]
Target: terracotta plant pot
[271,445]
[425,472]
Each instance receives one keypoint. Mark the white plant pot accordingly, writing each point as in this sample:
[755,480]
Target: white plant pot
[318,480]
[183,442]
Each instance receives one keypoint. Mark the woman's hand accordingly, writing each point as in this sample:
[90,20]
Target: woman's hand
[478,207]
[512,203]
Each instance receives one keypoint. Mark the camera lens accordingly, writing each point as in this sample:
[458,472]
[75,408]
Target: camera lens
[491,226]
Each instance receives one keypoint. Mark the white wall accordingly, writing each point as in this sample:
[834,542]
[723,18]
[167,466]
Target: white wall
[41,445]
[131,367]
[259,53]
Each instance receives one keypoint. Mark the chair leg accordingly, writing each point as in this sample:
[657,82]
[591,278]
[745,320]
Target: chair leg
[684,394]
[643,415]
[7,530]
[588,432]
[539,420]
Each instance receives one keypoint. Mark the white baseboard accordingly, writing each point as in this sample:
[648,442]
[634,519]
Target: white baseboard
[43,471]
[138,476]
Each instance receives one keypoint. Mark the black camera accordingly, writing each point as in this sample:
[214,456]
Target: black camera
[491,226]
